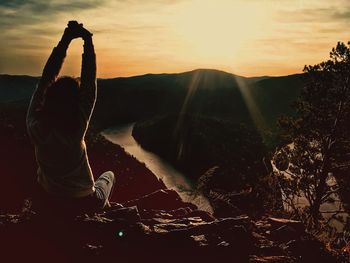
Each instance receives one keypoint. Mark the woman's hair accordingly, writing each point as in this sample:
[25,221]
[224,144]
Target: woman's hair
[61,109]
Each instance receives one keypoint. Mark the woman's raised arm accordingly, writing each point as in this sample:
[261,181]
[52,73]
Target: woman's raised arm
[50,73]
[88,86]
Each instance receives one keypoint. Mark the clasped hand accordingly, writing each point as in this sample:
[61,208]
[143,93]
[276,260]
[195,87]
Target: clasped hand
[76,30]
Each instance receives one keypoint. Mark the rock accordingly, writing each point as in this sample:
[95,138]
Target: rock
[95,249]
[228,230]
[285,233]
[200,239]
[205,216]
[113,205]
[170,214]
[167,228]
[10,219]
[129,214]
[283,221]
[292,224]
[223,244]
[272,259]
[160,199]
[99,219]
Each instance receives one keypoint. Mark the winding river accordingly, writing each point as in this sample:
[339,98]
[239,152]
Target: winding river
[173,179]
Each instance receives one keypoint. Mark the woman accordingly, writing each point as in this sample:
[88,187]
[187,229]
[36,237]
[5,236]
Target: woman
[57,120]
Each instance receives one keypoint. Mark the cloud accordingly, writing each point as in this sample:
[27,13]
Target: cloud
[341,15]
[44,5]
[326,12]
[33,22]
[20,12]
[313,27]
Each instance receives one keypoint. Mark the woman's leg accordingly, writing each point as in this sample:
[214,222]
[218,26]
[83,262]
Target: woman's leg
[104,187]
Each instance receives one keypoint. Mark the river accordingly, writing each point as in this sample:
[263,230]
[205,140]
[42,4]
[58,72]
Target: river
[172,178]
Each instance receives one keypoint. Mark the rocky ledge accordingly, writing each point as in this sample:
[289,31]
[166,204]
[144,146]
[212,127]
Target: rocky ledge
[141,231]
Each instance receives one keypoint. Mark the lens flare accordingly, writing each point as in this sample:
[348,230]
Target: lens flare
[254,111]
[180,128]
[121,233]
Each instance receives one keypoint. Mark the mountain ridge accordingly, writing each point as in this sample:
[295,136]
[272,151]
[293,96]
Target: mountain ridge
[171,73]
[204,91]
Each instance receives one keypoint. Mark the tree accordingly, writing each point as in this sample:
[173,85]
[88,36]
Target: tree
[318,138]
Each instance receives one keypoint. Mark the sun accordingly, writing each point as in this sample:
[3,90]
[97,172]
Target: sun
[218,30]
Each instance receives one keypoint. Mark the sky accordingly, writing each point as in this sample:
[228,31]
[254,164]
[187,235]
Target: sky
[133,37]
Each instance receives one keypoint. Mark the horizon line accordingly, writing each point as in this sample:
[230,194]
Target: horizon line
[167,73]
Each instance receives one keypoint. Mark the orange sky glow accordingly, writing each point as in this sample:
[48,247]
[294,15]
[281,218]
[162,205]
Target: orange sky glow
[133,37]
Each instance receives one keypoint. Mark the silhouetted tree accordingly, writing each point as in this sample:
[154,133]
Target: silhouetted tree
[319,137]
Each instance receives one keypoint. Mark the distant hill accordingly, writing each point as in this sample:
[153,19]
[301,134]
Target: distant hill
[203,92]
[16,88]
[193,144]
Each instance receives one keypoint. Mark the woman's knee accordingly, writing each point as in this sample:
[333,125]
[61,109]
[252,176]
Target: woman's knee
[109,175]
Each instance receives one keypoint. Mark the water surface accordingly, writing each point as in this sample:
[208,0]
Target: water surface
[172,178]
